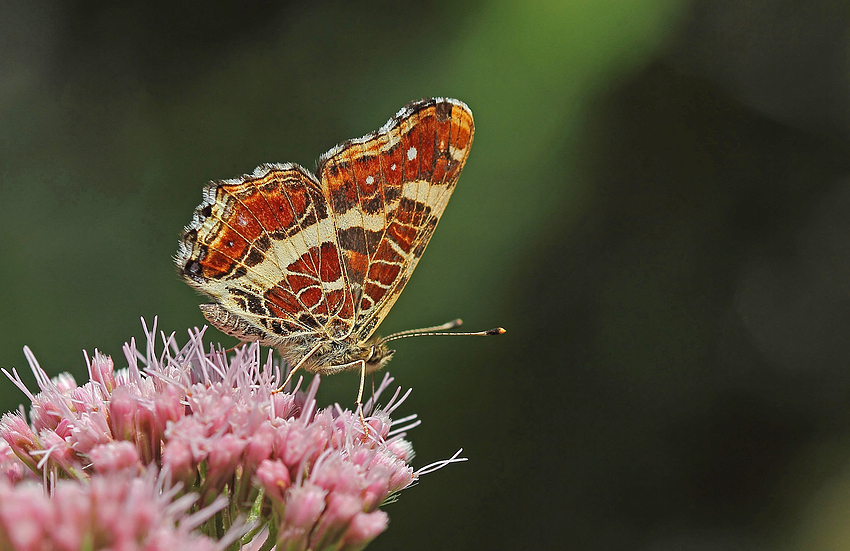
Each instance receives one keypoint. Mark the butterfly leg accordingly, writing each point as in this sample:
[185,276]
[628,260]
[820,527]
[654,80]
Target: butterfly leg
[294,369]
[360,397]
[361,364]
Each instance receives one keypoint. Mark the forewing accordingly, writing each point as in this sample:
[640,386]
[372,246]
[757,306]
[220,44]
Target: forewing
[264,247]
[387,192]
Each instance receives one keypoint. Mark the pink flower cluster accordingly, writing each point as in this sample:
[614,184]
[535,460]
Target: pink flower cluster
[216,428]
[114,512]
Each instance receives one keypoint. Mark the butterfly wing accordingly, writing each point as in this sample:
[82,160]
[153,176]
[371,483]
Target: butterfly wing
[264,247]
[387,192]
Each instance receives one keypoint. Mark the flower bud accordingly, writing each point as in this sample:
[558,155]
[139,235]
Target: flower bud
[260,445]
[274,477]
[47,411]
[178,459]
[23,441]
[304,505]
[340,510]
[364,527]
[115,457]
[168,407]
[122,414]
[102,370]
[90,430]
[60,453]
[223,459]
[402,449]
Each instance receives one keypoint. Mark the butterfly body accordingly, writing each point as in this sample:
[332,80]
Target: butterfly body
[311,265]
[328,357]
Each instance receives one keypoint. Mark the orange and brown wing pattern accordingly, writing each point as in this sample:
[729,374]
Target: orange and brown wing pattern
[387,192]
[264,247]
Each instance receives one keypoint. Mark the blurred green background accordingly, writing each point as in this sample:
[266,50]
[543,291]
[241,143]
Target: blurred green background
[656,207]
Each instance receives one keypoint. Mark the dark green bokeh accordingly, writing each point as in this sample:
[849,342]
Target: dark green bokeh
[656,207]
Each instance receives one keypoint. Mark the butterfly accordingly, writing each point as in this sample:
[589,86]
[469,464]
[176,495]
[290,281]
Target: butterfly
[311,264]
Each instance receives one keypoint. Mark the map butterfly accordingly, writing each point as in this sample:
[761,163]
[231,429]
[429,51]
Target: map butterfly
[311,264]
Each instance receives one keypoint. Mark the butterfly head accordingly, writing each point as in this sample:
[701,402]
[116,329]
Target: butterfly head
[335,356]
[378,356]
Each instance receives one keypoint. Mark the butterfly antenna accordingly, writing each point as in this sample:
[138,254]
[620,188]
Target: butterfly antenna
[434,332]
[454,324]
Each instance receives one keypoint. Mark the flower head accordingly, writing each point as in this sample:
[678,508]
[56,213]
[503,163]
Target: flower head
[217,428]
[109,511]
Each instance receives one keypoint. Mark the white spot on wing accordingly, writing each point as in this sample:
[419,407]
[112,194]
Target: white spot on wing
[411,153]
[457,153]
[370,180]
[392,167]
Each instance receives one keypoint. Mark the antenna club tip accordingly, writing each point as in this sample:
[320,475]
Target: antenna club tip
[497,331]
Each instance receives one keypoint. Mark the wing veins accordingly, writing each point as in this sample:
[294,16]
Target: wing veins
[307,253]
